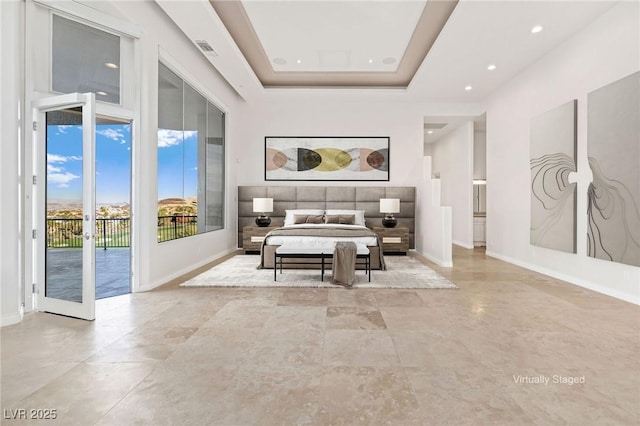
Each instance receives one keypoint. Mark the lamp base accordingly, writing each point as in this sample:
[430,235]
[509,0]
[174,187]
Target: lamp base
[389,221]
[263,220]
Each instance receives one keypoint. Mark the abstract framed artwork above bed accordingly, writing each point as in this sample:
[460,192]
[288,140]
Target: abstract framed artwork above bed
[318,158]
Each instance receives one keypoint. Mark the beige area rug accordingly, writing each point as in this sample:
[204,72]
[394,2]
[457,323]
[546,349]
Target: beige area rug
[242,271]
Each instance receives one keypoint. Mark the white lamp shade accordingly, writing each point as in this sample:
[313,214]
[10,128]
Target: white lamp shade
[389,205]
[262,205]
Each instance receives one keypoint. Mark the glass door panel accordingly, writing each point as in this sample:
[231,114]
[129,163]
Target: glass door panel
[64,234]
[64,204]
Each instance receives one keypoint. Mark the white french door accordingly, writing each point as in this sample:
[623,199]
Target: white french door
[64,204]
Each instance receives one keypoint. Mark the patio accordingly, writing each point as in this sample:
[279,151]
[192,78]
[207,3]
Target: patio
[64,267]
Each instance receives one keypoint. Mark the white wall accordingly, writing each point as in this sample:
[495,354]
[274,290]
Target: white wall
[453,161]
[433,234]
[11,71]
[605,51]
[340,115]
[159,263]
[365,113]
[479,154]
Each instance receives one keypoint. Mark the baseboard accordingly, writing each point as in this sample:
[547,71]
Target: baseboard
[568,278]
[185,271]
[464,245]
[435,260]
[10,319]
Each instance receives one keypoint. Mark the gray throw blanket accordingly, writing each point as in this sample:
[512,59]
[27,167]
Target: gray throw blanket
[344,263]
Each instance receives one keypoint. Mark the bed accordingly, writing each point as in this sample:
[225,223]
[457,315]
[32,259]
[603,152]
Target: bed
[321,229]
[324,199]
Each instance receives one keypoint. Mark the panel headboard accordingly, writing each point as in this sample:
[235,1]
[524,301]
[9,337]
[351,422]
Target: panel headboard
[365,198]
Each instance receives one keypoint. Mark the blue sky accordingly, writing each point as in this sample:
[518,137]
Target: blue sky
[113,163]
[176,150]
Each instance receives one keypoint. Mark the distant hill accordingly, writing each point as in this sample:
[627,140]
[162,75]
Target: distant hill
[171,201]
[73,210]
[178,206]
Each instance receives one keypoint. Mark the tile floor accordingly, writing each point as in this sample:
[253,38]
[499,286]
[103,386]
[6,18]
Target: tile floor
[200,356]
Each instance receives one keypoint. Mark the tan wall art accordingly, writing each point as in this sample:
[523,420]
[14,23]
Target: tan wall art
[327,158]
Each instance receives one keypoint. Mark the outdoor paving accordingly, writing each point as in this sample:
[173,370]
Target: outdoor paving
[64,273]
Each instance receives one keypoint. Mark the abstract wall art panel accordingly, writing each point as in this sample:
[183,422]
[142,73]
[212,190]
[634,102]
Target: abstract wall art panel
[552,160]
[613,148]
[327,158]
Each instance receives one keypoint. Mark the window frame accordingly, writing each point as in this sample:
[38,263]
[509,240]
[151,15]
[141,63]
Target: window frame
[187,78]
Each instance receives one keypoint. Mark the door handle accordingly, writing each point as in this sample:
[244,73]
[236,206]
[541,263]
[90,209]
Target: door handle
[87,236]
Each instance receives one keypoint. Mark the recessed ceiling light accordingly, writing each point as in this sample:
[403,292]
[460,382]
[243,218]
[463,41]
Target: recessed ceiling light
[491,67]
[101,93]
[370,61]
[467,88]
[111,65]
[536,29]
[279,61]
[389,60]
[299,61]
[430,131]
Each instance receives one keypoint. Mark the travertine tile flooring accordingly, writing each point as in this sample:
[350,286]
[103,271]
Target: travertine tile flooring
[201,356]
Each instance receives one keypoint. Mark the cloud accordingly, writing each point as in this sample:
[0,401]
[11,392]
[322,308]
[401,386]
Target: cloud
[169,137]
[61,179]
[62,128]
[57,174]
[55,158]
[113,134]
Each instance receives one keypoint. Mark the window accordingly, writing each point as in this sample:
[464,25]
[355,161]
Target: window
[85,59]
[190,160]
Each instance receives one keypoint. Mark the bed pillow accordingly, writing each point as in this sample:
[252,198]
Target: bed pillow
[342,219]
[289,214]
[299,219]
[358,215]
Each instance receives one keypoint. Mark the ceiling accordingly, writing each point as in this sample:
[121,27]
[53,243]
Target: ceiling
[256,44]
[334,43]
[436,127]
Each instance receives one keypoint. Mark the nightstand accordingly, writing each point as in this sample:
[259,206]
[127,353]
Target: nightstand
[252,237]
[394,240]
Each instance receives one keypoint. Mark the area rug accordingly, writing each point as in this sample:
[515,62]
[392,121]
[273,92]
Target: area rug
[242,271]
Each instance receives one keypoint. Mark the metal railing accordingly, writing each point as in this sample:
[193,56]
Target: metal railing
[172,227]
[115,232]
[68,233]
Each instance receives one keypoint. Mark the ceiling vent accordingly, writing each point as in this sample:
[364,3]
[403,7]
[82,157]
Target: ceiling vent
[434,126]
[206,47]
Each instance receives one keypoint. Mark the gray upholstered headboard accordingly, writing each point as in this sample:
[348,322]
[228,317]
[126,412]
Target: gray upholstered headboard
[365,198]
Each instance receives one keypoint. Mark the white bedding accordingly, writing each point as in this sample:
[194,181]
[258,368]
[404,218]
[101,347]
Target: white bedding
[308,241]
